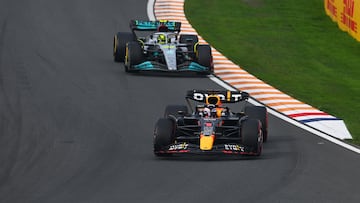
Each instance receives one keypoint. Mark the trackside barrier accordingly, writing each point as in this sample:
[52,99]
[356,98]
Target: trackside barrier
[238,78]
[346,13]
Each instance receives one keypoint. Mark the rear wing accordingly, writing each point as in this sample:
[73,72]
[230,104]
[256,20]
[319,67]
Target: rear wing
[225,96]
[149,25]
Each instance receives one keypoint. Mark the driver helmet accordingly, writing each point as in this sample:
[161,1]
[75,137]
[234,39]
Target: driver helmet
[161,39]
[207,112]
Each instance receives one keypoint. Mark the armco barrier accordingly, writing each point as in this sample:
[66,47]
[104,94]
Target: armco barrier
[346,13]
[234,75]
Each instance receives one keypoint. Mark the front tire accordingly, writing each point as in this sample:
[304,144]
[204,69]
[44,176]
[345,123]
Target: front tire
[163,135]
[134,55]
[251,136]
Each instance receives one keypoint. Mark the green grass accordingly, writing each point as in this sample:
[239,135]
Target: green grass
[293,46]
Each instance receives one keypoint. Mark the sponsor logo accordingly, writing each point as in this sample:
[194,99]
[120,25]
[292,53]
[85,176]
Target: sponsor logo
[347,16]
[331,7]
[178,146]
[201,96]
[233,147]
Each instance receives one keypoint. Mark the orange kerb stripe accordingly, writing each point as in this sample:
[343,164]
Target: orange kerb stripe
[221,68]
[261,93]
[239,77]
[254,88]
[247,82]
[297,108]
[231,72]
[272,98]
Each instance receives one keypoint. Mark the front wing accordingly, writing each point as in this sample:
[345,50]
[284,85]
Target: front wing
[226,149]
[155,66]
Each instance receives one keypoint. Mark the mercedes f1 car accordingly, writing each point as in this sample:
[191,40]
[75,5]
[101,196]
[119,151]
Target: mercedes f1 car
[210,127]
[158,46]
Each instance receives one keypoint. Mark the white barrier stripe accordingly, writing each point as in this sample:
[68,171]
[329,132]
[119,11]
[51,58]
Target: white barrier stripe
[239,74]
[270,96]
[166,14]
[223,61]
[284,100]
[243,86]
[290,112]
[160,11]
[260,90]
[238,80]
[220,67]
[312,117]
[294,106]
[180,4]
[219,58]
[227,71]
[170,10]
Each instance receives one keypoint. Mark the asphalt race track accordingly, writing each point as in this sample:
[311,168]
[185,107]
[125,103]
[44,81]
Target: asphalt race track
[75,128]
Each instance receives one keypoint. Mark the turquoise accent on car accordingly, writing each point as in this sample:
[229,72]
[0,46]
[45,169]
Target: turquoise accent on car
[196,67]
[147,65]
[144,66]
[150,25]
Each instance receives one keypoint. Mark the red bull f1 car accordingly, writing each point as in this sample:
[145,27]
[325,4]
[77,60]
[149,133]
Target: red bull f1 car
[210,127]
[158,46]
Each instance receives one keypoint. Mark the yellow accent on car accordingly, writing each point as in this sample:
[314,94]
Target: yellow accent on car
[126,54]
[169,46]
[206,142]
[115,44]
[195,49]
[213,99]
[141,43]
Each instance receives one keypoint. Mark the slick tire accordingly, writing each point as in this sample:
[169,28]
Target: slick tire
[250,132]
[191,41]
[260,113]
[204,57]
[119,45]
[188,39]
[134,55]
[163,135]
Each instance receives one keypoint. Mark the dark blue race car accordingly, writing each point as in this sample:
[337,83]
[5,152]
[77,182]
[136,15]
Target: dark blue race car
[210,127]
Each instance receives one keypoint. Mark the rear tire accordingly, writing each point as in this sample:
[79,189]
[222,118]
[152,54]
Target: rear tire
[188,39]
[250,132]
[163,135]
[134,55]
[260,113]
[119,45]
[174,110]
[191,41]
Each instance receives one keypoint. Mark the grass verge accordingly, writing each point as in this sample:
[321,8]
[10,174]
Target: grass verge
[293,46]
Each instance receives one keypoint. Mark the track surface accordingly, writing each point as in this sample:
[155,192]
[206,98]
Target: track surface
[75,128]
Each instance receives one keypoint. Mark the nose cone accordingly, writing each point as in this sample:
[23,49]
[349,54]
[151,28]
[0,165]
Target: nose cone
[206,142]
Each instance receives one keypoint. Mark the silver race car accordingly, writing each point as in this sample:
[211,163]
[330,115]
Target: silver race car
[158,46]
